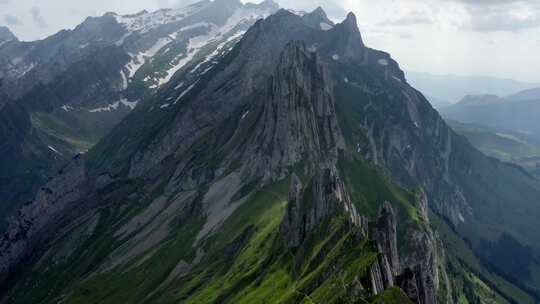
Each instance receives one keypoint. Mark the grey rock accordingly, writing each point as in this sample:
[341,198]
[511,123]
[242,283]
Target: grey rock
[384,232]
[306,211]
[298,119]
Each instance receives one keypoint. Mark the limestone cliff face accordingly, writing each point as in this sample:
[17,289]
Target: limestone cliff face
[384,232]
[387,266]
[308,206]
[420,266]
[414,271]
[297,119]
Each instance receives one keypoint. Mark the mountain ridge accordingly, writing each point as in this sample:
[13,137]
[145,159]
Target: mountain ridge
[201,185]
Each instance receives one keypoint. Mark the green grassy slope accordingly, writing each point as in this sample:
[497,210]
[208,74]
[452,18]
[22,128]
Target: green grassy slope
[245,261]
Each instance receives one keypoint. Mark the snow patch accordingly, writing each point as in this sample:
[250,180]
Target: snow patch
[163,106]
[137,61]
[383,62]
[124,80]
[25,70]
[194,26]
[181,84]
[245,114]
[325,26]
[54,150]
[461,218]
[216,34]
[335,57]
[218,50]
[114,106]
[130,104]
[145,21]
[67,108]
[298,13]
[185,92]
[346,80]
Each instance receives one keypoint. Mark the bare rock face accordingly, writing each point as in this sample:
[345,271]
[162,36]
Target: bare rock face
[417,287]
[384,232]
[419,277]
[298,119]
[381,274]
[292,228]
[416,273]
[309,206]
[36,221]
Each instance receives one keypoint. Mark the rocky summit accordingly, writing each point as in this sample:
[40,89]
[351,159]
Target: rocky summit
[284,162]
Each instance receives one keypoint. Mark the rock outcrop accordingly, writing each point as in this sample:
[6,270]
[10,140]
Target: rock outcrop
[383,231]
[298,119]
[420,265]
[415,272]
[308,206]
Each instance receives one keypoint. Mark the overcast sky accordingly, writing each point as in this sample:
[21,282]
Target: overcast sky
[465,37]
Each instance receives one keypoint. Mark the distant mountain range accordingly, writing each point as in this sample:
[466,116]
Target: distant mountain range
[519,112]
[448,89]
[526,95]
[506,145]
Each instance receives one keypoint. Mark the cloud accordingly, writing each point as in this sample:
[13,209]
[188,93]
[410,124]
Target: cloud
[503,22]
[37,17]
[406,35]
[164,3]
[5,1]
[412,18]
[501,15]
[491,2]
[12,20]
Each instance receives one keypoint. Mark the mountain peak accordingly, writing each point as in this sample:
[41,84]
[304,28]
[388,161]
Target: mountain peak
[351,19]
[351,23]
[320,12]
[318,20]
[475,100]
[6,34]
[269,3]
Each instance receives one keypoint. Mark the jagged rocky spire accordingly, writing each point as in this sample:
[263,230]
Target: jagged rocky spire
[305,211]
[298,117]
